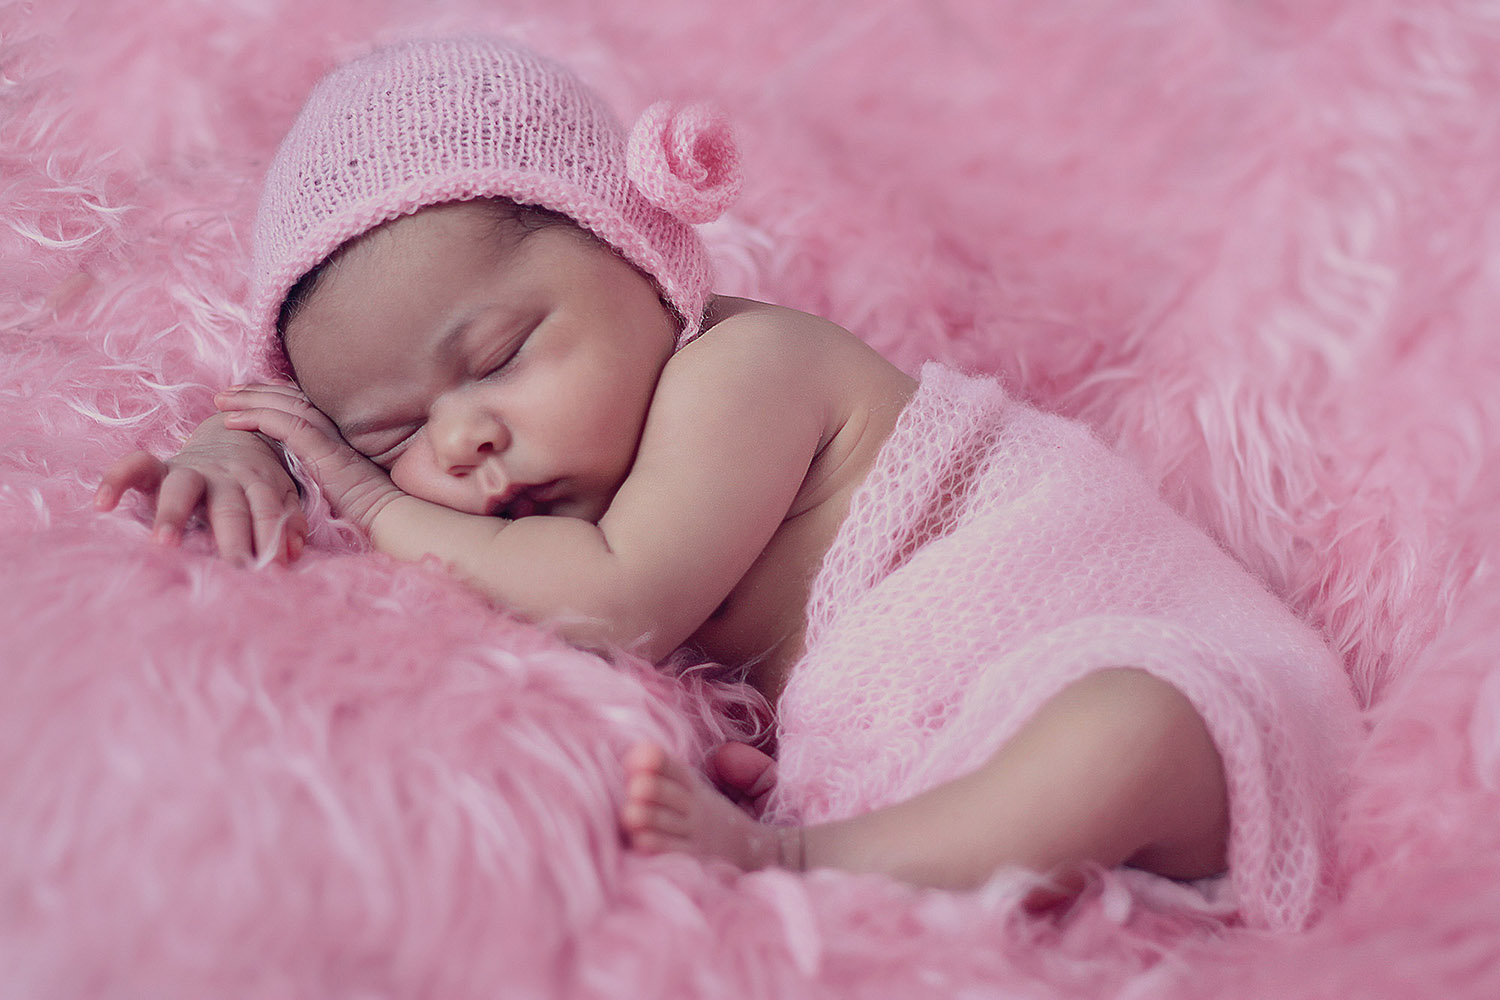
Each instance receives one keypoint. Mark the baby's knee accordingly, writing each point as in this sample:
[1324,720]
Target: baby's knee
[1151,722]
[1136,701]
[1131,707]
[1166,744]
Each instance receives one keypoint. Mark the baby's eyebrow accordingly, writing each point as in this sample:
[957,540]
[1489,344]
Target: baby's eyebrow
[447,346]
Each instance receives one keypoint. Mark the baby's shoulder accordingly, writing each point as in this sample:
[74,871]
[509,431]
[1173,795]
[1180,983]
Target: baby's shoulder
[778,357]
[750,357]
[757,341]
[776,332]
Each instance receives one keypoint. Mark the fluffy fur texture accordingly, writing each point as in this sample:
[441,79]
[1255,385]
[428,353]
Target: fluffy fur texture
[1252,241]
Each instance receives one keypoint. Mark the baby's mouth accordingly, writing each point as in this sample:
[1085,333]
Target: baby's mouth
[525,501]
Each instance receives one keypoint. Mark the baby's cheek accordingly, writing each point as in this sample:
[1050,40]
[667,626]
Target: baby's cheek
[416,475]
[407,476]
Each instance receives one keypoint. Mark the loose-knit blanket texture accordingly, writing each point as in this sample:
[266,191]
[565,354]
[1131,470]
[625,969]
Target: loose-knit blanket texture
[996,554]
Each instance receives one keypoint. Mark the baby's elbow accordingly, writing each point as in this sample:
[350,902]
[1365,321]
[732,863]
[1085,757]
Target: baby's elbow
[608,622]
[611,636]
[590,594]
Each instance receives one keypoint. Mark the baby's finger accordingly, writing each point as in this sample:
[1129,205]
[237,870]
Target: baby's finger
[353,485]
[180,494]
[289,387]
[139,470]
[277,521]
[242,397]
[288,401]
[273,398]
[229,518]
[306,438]
[271,422]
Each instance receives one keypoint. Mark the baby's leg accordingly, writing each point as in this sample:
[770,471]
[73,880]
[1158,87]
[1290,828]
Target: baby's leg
[1118,768]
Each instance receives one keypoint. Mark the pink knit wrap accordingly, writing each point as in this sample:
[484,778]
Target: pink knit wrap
[997,554]
[428,121]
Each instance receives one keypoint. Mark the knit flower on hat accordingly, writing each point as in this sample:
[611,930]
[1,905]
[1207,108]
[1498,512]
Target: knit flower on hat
[684,160]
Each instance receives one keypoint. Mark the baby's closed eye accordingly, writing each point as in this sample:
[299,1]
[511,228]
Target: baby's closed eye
[507,347]
[384,448]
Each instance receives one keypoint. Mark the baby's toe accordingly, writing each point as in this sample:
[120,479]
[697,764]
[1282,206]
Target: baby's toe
[650,760]
[659,791]
[645,818]
[743,770]
[644,757]
[653,842]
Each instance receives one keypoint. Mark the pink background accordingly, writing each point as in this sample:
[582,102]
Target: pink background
[1252,241]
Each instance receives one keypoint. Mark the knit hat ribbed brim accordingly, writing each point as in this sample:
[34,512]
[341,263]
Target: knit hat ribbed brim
[431,121]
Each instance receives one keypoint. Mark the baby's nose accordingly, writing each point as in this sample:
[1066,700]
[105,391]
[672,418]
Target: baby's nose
[464,435]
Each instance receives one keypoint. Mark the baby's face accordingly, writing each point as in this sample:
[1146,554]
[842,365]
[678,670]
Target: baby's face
[493,372]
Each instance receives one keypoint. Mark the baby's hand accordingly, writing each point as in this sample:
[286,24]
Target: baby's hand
[237,478]
[356,487]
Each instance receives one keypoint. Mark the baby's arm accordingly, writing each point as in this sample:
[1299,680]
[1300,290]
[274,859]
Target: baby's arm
[733,427]
[247,496]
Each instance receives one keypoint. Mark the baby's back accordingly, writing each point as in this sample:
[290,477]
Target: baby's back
[761,622]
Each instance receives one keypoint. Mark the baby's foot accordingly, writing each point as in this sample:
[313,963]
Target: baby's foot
[669,807]
[746,775]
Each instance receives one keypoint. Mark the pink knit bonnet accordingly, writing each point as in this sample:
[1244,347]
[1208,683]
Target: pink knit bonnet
[423,122]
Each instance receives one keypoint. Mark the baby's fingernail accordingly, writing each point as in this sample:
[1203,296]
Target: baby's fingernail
[294,546]
[166,535]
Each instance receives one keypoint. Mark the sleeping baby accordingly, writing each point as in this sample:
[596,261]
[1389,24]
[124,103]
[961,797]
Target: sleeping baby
[988,642]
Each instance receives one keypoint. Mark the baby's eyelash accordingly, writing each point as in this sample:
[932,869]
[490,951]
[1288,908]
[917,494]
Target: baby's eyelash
[504,360]
[512,348]
[387,456]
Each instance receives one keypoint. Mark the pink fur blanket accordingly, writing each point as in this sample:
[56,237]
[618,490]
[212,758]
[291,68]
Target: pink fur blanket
[1249,241]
